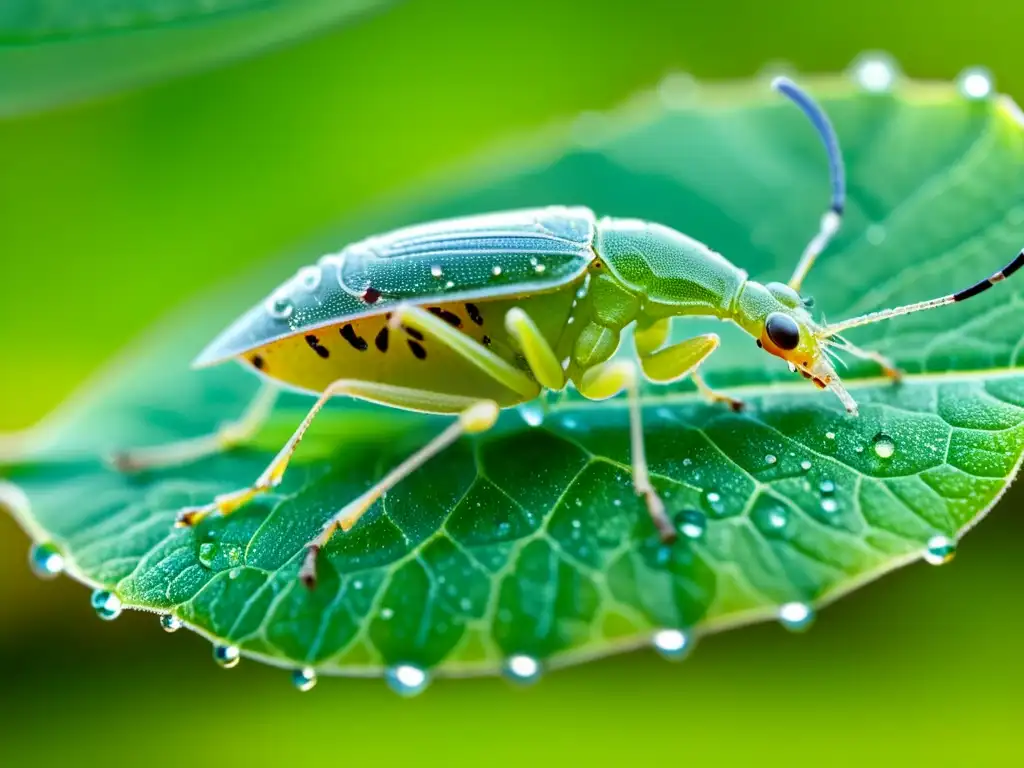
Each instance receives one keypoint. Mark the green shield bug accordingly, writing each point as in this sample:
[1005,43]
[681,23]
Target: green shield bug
[471,315]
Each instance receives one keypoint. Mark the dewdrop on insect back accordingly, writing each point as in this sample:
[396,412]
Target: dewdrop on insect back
[472,315]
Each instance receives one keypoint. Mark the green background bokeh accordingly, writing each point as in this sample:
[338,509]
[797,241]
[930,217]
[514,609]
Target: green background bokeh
[111,212]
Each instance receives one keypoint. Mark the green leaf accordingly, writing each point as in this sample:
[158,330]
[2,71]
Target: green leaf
[67,50]
[529,540]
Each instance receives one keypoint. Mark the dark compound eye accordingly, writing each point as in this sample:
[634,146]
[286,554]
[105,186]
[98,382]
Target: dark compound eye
[782,330]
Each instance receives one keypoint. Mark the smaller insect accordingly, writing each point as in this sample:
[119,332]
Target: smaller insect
[472,315]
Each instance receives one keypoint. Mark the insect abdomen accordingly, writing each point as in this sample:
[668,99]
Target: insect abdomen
[369,350]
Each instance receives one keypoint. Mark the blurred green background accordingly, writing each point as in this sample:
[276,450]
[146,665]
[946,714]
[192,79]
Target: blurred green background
[116,209]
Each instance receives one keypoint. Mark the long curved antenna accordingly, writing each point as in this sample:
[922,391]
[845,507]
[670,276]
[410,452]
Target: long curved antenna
[968,293]
[837,174]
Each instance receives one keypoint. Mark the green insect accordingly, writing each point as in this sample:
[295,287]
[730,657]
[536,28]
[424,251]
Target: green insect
[472,315]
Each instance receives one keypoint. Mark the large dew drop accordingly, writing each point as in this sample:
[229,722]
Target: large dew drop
[407,680]
[521,669]
[884,446]
[46,561]
[875,72]
[106,604]
[975,83]
[940,550]
[304,679]
[170,623]
[532,413]
[280,307]
[692,524]
[226,656]
[672,644]
[796,617]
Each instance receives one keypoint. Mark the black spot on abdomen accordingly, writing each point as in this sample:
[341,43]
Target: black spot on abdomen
[348,333]
[316,346]
[449,317]
[417,349]
[474,314]
[381,342]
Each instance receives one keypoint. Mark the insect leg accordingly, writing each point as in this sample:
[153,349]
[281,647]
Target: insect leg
[414,399]
[607,380]
[535,348]
[227,436]
[713,395]
[681,360]
[411,316]
[478,417]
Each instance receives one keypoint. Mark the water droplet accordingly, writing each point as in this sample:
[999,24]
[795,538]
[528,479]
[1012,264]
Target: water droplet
[407,680]
[616,502]
[830,435]
[309,278]
[46,561]
[304,679]
[532,413]
[521,669]
[884,445]
[805,465]
[207,552]
[777,519]
[386,613]
[829,505]
[226,656]
[106,604]
[436,271]
[692,523]
[975,83]
[875,72]
[941,549]
[450,284]
[770,459]
[796,617]
[827,487]
[539,269]
[859,449]
[581,292]
[280,307]
[569,423]
[170,623]
[792,368]
[672,644]
[496,270]
[714,502]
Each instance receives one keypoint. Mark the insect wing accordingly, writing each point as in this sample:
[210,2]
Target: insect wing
[463,259]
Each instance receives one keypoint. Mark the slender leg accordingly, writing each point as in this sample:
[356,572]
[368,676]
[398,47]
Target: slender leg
[535,349]
[401,397]
[479,417]
[681,360]
[227,436]
[888,366]
[605,381]
[715,396]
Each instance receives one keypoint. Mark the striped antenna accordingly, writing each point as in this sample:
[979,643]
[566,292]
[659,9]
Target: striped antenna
[837,174]
[885,314]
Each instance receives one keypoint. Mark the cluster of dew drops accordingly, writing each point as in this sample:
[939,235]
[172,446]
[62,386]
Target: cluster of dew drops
[876,73]
[47,562]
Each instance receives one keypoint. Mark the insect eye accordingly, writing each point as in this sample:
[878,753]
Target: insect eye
[782,330]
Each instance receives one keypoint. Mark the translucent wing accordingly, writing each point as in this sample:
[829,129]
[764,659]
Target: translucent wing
[464,259]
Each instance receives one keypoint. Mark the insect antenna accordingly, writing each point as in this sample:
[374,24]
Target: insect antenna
[837,174]
[968,293]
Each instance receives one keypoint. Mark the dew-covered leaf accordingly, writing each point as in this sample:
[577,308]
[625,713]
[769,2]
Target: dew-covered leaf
[66,50]
[528,543]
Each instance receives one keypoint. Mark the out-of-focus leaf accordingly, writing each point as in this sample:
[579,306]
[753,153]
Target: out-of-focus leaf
[61,51]
[529,541]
